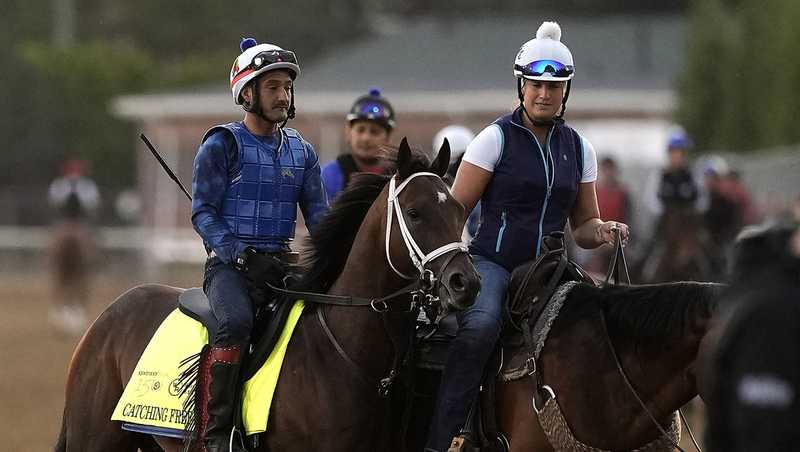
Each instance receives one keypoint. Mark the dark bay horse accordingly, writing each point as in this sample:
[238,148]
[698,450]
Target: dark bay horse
[324,401]
[655,331]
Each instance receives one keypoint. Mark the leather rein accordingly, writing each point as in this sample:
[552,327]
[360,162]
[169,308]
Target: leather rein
[618,272]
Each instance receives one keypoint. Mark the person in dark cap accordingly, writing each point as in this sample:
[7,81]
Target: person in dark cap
[369,127]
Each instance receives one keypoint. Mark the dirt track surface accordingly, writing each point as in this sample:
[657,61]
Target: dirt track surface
[35,357]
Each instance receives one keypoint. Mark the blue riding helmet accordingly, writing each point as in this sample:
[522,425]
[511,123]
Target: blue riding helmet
[373,107]
[679,140]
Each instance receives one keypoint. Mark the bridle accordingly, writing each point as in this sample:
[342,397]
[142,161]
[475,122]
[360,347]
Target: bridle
[415,253]
[421,290]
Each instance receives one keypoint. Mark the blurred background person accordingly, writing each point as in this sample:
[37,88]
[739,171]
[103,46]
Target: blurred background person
[740,194]
[459,138]
[677,188]
[676,248]
[722,217]
[369,127]
[74,198]
[614,202]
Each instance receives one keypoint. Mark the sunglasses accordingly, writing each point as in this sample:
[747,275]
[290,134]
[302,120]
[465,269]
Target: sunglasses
[540,67]
[271,57]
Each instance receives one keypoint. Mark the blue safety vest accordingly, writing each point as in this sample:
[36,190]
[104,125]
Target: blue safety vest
[260,203]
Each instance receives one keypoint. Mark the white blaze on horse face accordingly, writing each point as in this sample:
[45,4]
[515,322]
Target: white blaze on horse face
[442,197]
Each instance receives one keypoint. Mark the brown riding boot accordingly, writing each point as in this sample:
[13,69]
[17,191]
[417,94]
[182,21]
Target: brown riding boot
[216,398]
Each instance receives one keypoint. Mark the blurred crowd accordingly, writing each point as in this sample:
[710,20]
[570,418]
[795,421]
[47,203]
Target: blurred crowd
[707,197]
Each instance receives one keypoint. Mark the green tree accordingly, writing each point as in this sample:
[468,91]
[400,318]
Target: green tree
[54,101]
[75,86]
[741,88]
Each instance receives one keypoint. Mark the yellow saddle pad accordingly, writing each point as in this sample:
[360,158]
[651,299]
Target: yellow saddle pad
[151,401]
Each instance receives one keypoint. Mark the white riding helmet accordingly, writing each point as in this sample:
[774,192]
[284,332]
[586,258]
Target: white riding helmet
[545,57]
[715,165]
[459,138]
[256,59]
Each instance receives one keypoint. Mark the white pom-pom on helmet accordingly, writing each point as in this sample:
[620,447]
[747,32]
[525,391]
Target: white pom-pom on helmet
[459,137]
[256,59]
[545,57]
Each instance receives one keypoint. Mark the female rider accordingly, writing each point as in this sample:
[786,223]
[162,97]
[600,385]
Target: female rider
[531,173]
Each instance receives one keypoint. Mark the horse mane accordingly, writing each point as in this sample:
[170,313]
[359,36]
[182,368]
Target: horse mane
[650,311]
[332,238]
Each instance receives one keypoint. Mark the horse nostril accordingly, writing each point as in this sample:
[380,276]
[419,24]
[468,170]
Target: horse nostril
[457,282]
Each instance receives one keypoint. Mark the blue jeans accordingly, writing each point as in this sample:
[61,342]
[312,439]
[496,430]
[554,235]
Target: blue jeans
[479,330]
[226,289]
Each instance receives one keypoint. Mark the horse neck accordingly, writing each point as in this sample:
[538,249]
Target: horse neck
[361,331]
[663,371]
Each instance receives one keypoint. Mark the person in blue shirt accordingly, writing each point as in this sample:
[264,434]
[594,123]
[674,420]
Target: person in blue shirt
[369,127]
[249,177]
[531,173]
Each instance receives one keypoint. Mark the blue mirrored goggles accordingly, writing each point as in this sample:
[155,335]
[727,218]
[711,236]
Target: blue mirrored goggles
[273,56]
[540,67]
[371,110]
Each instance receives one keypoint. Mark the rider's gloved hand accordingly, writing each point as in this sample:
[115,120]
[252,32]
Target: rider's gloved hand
[260,268]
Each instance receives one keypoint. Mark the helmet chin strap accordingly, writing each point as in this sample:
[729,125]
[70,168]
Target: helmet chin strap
[254,107]
[291,112]
[558,119]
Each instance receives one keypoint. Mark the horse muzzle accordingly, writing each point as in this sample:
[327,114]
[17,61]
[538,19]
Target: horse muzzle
[459,283]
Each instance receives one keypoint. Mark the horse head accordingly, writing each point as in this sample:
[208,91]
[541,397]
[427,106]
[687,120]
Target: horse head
[423,229]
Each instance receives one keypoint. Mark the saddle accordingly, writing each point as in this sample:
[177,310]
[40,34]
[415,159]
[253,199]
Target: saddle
[530,287]
[270,318]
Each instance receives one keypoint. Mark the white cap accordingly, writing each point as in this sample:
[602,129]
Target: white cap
[459,138]
[546,46]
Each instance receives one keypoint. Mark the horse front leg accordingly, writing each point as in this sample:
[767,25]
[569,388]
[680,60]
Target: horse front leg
[517,419]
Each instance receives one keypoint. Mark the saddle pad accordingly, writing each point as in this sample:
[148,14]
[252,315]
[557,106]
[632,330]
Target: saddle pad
[150,402]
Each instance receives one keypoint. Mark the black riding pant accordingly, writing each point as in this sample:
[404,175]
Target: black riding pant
[227,292]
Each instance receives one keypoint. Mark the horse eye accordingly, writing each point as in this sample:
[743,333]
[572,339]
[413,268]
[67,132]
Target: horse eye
[412,213]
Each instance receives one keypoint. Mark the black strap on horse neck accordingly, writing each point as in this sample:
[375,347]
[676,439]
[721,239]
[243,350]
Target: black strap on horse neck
[377,304]
[400,344]
[617,263]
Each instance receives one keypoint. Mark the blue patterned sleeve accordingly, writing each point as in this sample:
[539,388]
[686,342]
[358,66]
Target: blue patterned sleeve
[313,200]
[332,179]
[216,159]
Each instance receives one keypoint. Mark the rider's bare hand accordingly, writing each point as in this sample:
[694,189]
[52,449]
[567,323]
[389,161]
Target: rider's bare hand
[606,232]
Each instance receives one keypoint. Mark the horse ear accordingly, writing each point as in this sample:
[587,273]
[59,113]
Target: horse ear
[442,162]
[404,159]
